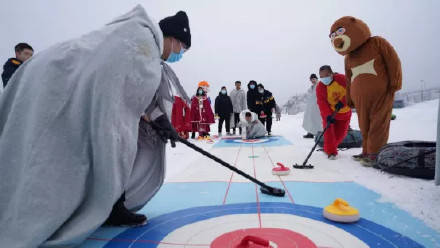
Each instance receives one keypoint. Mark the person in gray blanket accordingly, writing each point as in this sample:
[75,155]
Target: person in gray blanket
[83,129]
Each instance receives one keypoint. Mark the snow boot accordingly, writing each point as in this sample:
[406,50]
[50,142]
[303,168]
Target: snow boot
[308,136]
[369,160]
[358,157]
[121,216]
[332,157]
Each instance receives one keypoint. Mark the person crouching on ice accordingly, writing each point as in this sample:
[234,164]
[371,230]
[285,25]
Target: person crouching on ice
[330,94]
[252,127]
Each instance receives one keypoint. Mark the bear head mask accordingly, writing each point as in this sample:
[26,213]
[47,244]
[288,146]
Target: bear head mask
[348,33]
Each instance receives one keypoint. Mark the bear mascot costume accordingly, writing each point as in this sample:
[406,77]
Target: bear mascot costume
[374,74]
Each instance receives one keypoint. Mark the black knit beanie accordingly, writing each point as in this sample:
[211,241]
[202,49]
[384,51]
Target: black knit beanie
[177,26]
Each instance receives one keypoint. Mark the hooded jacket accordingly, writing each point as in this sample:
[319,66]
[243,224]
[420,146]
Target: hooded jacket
[265,102]
[223,105]
[252,98]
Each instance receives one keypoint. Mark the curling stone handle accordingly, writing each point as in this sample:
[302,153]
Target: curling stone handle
[281,165]
[247,240]
[341,203]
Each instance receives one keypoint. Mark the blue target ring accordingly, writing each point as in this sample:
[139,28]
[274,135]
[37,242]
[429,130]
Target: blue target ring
[370,233]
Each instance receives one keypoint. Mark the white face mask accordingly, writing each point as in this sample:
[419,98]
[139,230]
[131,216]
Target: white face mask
[327,80]
[261,91]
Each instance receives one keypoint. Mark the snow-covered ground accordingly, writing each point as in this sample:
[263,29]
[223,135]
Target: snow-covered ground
[420,198]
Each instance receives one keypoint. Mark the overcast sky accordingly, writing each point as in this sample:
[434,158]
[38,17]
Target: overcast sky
[277,43]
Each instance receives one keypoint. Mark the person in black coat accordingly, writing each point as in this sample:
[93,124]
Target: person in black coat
[252,96]
[23,52]
[223,109]
[265,105]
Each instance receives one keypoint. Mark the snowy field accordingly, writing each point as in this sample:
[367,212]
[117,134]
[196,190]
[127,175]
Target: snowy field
[420,198]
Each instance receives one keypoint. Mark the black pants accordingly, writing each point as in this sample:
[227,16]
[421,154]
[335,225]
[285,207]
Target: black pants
[236,121]
[227,119]
[268,122]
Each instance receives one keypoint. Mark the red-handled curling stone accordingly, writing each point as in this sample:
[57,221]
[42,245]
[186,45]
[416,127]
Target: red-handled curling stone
[262,238]
[281,170]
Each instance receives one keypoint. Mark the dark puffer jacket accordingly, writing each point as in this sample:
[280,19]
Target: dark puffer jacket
[223,105]
[265,102]
[252,97]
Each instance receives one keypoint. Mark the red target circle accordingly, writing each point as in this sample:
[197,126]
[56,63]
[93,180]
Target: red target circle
[262,237]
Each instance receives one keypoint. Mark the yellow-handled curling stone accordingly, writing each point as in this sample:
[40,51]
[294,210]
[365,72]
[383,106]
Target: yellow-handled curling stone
[341,211]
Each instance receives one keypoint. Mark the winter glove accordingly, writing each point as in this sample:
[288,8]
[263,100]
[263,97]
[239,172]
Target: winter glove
[165,130]
[330,119]
[339,106]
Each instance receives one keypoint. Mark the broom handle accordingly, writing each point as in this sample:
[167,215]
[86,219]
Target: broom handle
[218,160]
[320,137]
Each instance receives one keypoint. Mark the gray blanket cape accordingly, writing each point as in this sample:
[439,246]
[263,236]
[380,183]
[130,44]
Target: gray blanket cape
[70,138]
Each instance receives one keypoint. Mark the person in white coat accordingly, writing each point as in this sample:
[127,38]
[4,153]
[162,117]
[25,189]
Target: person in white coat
[83,127]
[238,98]
[437,156]
[312,122]
[278,112]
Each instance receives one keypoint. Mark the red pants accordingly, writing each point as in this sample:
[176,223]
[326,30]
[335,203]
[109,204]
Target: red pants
[334,135]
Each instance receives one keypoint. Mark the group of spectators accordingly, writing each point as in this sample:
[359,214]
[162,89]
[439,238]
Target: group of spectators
[233,109]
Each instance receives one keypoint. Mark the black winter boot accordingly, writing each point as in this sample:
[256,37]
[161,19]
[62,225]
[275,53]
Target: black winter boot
[121,216]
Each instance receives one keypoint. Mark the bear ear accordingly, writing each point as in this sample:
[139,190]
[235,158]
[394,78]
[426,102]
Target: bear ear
[352,19]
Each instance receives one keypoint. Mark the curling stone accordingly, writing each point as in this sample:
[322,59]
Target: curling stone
[341,211]
[281,170]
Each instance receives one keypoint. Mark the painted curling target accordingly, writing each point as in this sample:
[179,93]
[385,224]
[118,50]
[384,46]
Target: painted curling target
[305,232]
[200,226]
[266,141]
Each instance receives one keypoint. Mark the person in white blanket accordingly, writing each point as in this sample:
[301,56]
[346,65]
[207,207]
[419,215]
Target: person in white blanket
[251,125]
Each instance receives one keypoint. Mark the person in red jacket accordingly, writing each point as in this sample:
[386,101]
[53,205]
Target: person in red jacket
[181,117]
[330,93]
